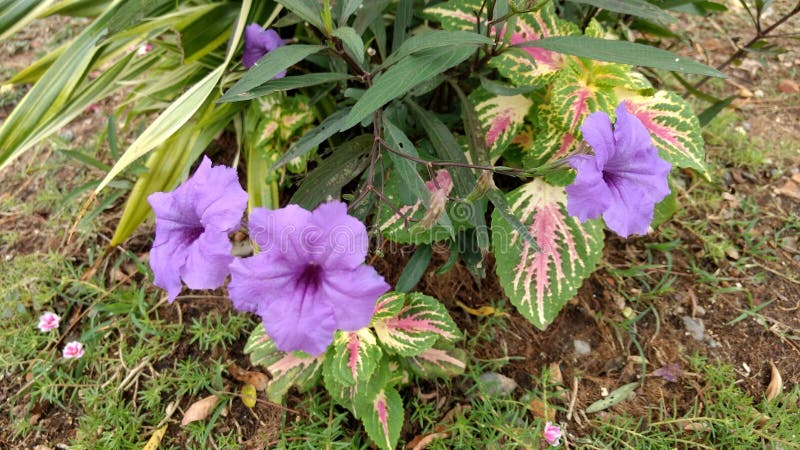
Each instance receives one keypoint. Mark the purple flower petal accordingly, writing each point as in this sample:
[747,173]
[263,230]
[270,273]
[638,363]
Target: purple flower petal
[309,279]
[352,294]
[257,43]
[192,226]
[623,180]
[342,241]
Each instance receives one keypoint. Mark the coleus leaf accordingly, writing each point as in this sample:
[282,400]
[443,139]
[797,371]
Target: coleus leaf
[540,283]
[287,369]
[527,65]
[382,417]
[355,356]
[501,118]
[673,126]
[421,322]
[402,223]
[436,362]
[456,15]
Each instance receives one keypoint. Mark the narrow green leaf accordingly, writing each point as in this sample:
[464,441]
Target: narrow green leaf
[403,76]
[86,159]
[712,111]
[614,397]
[308,10]
[402,20]
[622,52]
[352,42]
[288,83]
[330,126]
[348,8]
[20,13]
[639,8]
[415,269]
[270,65]
[413,187]
[436,39]
[345,163]
[498,199]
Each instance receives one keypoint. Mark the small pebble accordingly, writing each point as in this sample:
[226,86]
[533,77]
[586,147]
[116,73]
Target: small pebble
[497,384]
[582,348]
[694,327]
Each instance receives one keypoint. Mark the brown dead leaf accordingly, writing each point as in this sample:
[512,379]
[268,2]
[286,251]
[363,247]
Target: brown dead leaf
[199,410]
[259,380]
[421,442]
[542,410]
[788,86]
[697,427]
[775,384]
[791,188]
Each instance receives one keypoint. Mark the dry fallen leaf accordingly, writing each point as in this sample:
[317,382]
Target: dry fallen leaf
[259,380]
[775,384]
[482,311]
[541,410]
[249,395]
[199,410]
[155,439]
[788,86]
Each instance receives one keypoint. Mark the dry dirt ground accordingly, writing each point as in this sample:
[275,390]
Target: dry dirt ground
[769,111]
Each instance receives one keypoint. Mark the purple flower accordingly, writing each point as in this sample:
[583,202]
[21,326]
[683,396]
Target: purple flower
[623,180]
[192,226]
[309,278]
[257,43]
[73,350]
[552,434]
[48,321]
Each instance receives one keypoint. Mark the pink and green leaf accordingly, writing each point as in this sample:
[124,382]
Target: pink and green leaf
[540,283]
[456,15]
[673,126]
[287,369]
[402,223]
[435,362]
[356,355]
[502,117]
[417,326]
[382,417]
[531,66]
[388,305]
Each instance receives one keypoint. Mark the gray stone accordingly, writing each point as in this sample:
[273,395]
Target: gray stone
[694,327]
[582,348]
[497,384]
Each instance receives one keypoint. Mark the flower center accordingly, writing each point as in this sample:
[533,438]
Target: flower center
[310,279]
[193,233]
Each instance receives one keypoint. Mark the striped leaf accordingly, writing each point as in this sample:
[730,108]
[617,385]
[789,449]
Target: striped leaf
[417,326]
[456,15]
[673,126]
[382,417]
[388,306]
[435,362]
[402,223]
[540,283]
[355,356]
[528,66]
[501,117]
[572,99]
[287,369]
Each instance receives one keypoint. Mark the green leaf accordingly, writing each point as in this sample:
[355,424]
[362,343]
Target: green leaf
[308,10]
[415,268]
[639,8]
[416,327]
[623,52]
[402,77]
[539,283]
[498,199]
[436,40]
[335,171]
[15,15]
[665,209]
[614,397]
[435,362]
[330,126]
[500,117]
[382,417]
[705,117]
[388,306]
[352,43]
[402,223]
[413,188]
[267,67]
[355,356]
[286,369]
[288,83]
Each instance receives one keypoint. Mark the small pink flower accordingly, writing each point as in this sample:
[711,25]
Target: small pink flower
[552,434]
[73,349]
[48,321]
[144,49]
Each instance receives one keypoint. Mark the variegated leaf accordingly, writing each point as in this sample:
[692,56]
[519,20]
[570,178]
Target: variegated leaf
[355,356]
[435,362]
[419,324]
[383,418]
[456,14]
[531,66]
[287,369]
[540,283]
[389,305]
[501,117]
[673,126]
[403,222]
[572,99]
